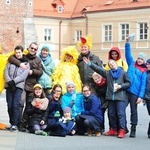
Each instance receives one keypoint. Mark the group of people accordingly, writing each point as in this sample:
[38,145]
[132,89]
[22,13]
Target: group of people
[72,97]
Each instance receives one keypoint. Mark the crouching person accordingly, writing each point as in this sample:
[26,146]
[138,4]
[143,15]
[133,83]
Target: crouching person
[37,109]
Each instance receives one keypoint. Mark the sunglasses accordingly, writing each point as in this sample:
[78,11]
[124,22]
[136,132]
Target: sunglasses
[33,48]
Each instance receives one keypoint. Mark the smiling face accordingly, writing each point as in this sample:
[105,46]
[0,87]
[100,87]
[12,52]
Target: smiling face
[84,49]
[86,91]
[68,58]
[70,88]
[114,55]
[57,93]
[112,64]
[97,78]
[44,52]
[33,49]
[38,91]
[18,53]
[140,61]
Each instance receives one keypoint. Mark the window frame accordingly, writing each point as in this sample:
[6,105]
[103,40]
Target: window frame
[44,35]
[144,30]
[109,37]
[78,34]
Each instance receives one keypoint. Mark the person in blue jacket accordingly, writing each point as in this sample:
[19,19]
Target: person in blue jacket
[137,75]
[72,99]
[91,118]
[147,92]
[48,67]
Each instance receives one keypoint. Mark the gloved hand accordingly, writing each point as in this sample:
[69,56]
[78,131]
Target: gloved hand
[11,83]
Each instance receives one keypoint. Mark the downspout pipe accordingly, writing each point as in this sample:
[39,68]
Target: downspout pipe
[86,23]
[60,22]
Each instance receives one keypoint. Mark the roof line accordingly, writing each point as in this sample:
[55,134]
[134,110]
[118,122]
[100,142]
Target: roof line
[74,8]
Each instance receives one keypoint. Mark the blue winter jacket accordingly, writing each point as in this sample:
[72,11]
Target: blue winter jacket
[93,107]
[137,78]
[78,102]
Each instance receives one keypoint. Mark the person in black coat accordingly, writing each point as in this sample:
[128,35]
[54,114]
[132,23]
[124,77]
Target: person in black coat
[37,110]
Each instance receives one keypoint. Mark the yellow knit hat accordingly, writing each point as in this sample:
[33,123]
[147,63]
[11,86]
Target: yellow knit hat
[86,40]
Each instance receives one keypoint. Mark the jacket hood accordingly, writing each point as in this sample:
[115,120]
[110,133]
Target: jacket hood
[71,50]
[114,49]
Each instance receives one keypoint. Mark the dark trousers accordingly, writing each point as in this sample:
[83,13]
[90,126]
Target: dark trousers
[116,112]
[132,99]
[25,118]
[13,104]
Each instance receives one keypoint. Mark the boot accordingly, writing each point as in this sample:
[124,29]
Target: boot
[121,133]
[97,133]
[89,132]
[110,132]
[148,132]
[133,131]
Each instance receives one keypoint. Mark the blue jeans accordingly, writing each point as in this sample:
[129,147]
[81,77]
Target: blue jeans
[13,103]
[116,112]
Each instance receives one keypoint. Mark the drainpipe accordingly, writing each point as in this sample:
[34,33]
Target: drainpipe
[86,23]
[60,38]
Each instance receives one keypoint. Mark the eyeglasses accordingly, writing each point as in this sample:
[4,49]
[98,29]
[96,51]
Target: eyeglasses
[85,91]
[58,91]
[33,48]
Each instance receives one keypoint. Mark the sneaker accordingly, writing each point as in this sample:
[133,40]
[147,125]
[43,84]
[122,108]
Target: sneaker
[110,132]
[8,128]
[121,133]
[40,132]
[14,129]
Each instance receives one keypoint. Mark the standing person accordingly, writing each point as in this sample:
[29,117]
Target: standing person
[48,66]
[117,83]
[37,109]
[72,99]
[147,93]
[137,75]
[100,89]
[33,76]
[14,83]
[91,118]
[85,71]
[68,62]
[115,54]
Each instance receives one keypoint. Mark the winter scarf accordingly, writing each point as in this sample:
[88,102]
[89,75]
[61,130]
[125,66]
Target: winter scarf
[43,103]
[116,73]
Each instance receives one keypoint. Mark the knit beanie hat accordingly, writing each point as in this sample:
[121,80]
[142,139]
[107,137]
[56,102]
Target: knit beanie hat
[46,47]
[68,109]
[69,83]
[142,55]
[148,61]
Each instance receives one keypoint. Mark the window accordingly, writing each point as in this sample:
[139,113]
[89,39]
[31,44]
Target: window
[124,31]
[7,1]
[143,35]
[107,33]
[47,34]
[78,34]
[60,9]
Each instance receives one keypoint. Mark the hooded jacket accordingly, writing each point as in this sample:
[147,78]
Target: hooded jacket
[119,61]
